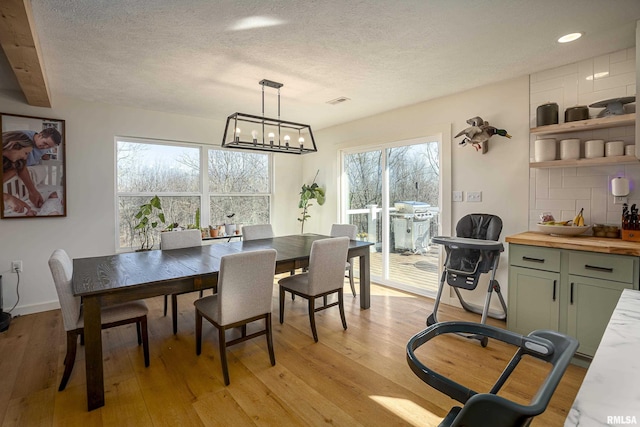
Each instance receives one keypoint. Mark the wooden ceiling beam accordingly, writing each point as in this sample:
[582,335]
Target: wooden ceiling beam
[19,41]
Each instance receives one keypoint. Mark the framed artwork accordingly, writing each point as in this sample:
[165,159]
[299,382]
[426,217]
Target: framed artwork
[33,167]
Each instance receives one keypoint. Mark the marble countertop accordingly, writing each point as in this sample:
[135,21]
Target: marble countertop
[610,392]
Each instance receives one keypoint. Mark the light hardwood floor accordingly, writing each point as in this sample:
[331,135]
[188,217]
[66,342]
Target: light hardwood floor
[357,377]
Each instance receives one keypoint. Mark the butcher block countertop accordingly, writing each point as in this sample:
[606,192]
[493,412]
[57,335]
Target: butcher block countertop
[579,243]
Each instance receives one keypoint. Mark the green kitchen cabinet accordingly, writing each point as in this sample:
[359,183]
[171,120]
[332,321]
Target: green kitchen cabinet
[533,300]
[574,292]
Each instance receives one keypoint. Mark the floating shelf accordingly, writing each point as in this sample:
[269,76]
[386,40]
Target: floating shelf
[583,125]
[599,161]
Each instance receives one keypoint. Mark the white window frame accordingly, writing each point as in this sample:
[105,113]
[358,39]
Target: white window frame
[203,194]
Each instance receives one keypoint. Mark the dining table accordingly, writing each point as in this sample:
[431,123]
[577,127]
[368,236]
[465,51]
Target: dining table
[112,279]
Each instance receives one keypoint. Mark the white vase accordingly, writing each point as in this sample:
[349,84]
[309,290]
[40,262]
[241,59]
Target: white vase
[230,229]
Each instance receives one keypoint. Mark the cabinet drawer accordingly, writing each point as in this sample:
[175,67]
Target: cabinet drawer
[547,259]
[618,268]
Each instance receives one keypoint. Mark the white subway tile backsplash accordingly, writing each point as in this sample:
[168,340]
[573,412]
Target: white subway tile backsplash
[584,181]
[619,56]
[558,205]
[616,82]
[628,66]
[556,72]
[555,178]
[564,191]
[569,193]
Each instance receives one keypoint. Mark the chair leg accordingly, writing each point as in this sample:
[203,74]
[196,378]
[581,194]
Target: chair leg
[142,325]
[198,333]
[174,313]
[222,340]
[353,286]
[341,306]
[166,303]
[293,296]
[281,299]
[70,358]
[312,318]
[267,326]
[139,333]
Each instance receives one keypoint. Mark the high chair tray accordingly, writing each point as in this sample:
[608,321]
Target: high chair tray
[466,243]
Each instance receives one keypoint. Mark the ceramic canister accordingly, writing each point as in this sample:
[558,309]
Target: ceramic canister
[544,150]
[614,148]
[570,149]
[594,148]
[547,114]
[630,150]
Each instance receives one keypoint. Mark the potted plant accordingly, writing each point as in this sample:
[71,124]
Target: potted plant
[148,217]
[308,193]
[230,227]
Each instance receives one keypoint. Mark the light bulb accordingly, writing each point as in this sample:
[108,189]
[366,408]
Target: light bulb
[287,138]
[254,135]
[271,136]
[301,141]
[237,134]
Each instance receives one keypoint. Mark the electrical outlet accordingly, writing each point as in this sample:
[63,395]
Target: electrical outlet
[16,266]
[457,196]
[619,200]
[474,196]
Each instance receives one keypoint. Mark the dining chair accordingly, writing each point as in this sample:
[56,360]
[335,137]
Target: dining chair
[72,316]
[350,231]
[178,240]
[325,276]
[245,292]
[257,231]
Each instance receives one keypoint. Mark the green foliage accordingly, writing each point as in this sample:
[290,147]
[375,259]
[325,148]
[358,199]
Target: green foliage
[148,217]
[308,193]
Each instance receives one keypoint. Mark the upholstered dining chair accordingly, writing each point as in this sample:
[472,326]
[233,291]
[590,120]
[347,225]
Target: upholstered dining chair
[258,231]
[178,240]
[72,317]
[324,277]
[245,291]
[350,231]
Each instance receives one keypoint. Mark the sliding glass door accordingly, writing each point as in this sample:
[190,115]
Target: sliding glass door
[392,193]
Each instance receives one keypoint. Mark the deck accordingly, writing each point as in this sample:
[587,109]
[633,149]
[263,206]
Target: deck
[416,270]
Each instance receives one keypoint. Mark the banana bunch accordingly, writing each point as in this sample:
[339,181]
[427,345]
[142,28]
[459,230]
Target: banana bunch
[579,219]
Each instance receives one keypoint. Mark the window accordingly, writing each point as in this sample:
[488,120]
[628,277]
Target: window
[228,182]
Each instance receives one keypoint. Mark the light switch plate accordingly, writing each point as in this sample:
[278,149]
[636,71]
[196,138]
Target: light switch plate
[474,196]
[457,196]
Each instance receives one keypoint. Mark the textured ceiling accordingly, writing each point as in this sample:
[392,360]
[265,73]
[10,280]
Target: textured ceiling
[205,58]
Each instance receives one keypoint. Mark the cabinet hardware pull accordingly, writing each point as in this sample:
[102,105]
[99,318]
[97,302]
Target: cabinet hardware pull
[596,268]
[526,258]
[554,289]
[572,293]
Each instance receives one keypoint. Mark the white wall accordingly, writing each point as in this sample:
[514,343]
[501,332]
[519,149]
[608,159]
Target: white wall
[502,174]
[564,191]
[89,227]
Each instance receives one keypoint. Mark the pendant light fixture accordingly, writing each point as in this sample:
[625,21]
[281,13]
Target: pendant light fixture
[260,133]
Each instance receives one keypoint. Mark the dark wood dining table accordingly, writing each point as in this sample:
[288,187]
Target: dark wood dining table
[112,279]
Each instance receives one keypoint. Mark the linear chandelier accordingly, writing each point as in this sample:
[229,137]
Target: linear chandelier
[250,132]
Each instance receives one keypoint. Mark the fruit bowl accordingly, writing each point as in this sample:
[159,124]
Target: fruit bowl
[563,230]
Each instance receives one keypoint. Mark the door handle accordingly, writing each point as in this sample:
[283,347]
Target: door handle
[526,258]
[555,282]
[596,268]
[571,298]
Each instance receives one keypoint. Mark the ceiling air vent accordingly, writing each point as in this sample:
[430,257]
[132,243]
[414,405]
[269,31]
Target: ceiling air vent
[339,100]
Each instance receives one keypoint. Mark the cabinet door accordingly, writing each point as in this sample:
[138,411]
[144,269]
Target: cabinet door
[591,303]
[533,300]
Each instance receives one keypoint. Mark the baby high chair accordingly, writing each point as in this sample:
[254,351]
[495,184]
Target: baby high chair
[473,252]
[489,409]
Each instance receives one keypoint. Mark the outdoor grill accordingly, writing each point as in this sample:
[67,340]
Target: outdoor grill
[411,224]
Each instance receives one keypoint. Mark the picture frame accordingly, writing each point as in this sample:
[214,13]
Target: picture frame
[33,167]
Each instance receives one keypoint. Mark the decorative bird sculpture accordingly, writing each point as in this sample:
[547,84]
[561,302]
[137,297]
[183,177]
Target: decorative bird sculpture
[479,132]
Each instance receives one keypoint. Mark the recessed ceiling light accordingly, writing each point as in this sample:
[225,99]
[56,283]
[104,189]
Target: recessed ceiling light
[569,37]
